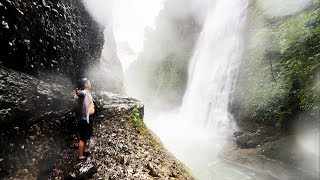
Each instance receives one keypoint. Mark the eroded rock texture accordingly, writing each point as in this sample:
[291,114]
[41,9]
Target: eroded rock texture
[45,37]
[36,119]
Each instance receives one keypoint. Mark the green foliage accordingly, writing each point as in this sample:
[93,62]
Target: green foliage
[283,67]
[170,79]
[137,120]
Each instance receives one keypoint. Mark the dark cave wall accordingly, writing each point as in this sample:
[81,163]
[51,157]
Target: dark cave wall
[43,37]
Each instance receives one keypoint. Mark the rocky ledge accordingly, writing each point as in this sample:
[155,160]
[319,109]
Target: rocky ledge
[121,147]
[39,136]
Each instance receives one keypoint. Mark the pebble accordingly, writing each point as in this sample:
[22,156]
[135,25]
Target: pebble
[5,24]
[25,171]
[27,41]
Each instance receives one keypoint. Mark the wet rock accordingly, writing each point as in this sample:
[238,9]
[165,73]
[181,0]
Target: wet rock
[70,43]
[20,18]
[82,170]
[251,139]
[153,171]
[238,133]
[35,119]
[245,141]
[29,98]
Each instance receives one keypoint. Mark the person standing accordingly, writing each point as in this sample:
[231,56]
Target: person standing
[86,110]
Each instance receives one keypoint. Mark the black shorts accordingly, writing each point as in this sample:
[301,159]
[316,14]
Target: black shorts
[85,129]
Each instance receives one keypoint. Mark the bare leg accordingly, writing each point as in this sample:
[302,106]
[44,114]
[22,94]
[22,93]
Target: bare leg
[81,147]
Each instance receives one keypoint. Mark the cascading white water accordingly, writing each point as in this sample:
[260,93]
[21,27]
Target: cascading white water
[197,133]
[214,66]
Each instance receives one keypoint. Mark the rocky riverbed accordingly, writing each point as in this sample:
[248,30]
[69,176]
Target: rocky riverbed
[271,151]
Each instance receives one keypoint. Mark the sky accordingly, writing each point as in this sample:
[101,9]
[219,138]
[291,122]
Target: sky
[130,18]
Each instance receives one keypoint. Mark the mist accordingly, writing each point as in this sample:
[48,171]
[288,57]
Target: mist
[171,41]
[277,8]
[108,73]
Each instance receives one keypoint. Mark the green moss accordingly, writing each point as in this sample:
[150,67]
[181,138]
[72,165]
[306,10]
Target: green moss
[137,120]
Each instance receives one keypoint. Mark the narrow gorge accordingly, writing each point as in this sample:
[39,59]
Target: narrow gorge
[182,89]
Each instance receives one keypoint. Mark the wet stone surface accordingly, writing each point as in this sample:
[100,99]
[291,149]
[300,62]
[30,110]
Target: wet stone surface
[118,150]
[48,37]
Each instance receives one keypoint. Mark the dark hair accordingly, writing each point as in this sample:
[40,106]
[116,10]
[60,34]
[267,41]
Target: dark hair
[82,83]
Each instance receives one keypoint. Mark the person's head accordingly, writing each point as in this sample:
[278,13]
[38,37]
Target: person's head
[84,83]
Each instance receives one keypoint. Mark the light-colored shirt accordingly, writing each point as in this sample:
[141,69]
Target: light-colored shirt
[85,104]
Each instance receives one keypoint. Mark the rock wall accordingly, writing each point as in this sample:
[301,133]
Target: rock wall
[25,99]
[35,121]
[45,37]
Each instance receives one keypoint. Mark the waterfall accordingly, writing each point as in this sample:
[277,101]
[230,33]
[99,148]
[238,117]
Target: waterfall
[213,67]
[196,133]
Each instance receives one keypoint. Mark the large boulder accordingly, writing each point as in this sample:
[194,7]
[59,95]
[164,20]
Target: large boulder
[36,120]
[25,99]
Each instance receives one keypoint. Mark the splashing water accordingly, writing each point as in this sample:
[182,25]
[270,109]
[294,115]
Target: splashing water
[196,132]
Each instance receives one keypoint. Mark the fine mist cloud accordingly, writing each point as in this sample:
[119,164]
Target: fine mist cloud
[167,38]
[283,8]
[100,10]
[308,139]
[169,43]
[108,73]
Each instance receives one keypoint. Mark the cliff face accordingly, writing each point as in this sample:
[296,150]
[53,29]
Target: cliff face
[35,121]
[46,37]
[24,99]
